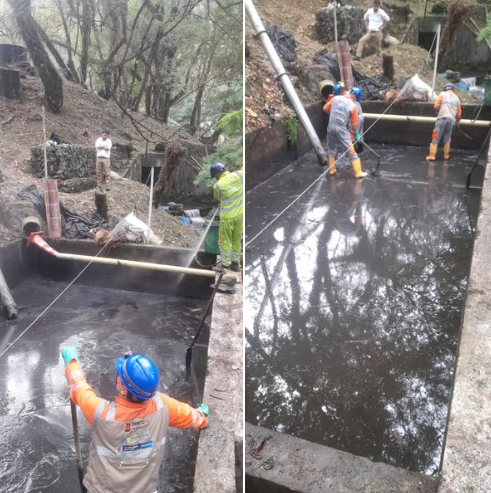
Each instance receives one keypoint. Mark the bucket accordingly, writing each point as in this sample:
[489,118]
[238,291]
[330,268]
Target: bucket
[211,239]
[487,91]
[30,225]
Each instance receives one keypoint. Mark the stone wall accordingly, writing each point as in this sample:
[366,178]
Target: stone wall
[349,21]
[65,161]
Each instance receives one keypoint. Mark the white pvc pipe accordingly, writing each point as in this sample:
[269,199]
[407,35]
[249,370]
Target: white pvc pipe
[150,205]
[44,146]
[285,81]
[138,265]
[422,119]
[436,60]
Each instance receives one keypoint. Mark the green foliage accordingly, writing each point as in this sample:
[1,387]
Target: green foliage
[292,128]
[486,32]
[229,154]
[231,122]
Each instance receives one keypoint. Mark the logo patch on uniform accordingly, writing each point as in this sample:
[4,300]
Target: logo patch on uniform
[127,427]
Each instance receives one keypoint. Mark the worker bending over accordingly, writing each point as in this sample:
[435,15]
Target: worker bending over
[449,113]
[129,434]
[228,189]
[342,112]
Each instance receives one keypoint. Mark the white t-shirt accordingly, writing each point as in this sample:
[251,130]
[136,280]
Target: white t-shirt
[103,152]
[375,19]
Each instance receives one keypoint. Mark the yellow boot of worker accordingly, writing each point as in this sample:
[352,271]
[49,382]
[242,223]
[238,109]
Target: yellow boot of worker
[446,152]
[332,169]
[357,168]
[432,156]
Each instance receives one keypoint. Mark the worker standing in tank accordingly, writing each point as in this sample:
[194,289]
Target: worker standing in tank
[129,433]
[228,189]
[449,114]
[342,113]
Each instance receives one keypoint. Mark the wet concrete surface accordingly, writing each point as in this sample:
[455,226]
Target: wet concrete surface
[36,438]
[354,300]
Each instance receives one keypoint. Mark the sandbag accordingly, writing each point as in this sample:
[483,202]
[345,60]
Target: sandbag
[417,90]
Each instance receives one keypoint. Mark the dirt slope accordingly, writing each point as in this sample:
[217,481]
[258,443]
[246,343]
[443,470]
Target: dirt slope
[83,117]
[298,17]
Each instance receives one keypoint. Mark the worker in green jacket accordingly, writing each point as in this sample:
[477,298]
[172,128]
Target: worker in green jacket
[228,189]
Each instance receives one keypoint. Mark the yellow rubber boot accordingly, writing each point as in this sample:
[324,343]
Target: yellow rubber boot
[357,168]
[432,156]
[332,169]
[446,151]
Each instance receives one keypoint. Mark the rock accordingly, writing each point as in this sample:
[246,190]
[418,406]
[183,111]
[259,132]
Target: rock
[65,161]
[349,21]
[35,117]
[77,185]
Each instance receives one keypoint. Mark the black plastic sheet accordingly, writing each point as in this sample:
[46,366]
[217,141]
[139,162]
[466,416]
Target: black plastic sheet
[371,88]
[283,41]
[74,225]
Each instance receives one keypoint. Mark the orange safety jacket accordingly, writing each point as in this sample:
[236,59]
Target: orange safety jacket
[448,106]
[344,111]
[128,438]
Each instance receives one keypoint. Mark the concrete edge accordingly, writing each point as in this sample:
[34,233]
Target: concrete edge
[280,462]
[467,451]
[223,393]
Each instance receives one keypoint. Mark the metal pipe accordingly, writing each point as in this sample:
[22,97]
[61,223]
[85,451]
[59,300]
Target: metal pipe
[285,81]
[78,450]
[422,119]
[436,60]
[36,239]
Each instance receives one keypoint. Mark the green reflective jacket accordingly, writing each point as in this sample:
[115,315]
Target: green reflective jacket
[229,190]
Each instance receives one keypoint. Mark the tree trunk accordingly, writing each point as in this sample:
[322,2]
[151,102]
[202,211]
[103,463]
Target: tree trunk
[196,113]
[85,29]
[56,54]
[172,158]
[52,82]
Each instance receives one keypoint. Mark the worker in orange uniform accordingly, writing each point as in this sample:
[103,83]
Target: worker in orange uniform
[342,112]
[449,114]
[128,434]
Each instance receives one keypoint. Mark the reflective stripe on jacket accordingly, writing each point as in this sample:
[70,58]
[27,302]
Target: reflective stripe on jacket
[128,438]
[448,104]
[229,191]
[342,112]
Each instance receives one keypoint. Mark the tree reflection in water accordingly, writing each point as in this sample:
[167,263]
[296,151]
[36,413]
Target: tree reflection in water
[354,304]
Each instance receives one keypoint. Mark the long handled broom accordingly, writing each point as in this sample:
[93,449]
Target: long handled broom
[469,175]
[78,451]
[189,351]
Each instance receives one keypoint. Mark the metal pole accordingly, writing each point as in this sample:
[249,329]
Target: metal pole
[285,81]
[335,23]
[436,59]
[44,146]
[151,200]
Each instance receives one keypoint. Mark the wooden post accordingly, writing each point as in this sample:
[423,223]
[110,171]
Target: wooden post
[9,305]
[44,146]
[101,203]
[150,205]
[388,66]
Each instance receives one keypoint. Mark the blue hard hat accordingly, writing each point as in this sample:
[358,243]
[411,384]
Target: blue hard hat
[338,89]
[446,87]
[216,168]
[139,375]
[357,92]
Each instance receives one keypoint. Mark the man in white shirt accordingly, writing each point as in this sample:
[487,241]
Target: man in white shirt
[375,21]
[103,163]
